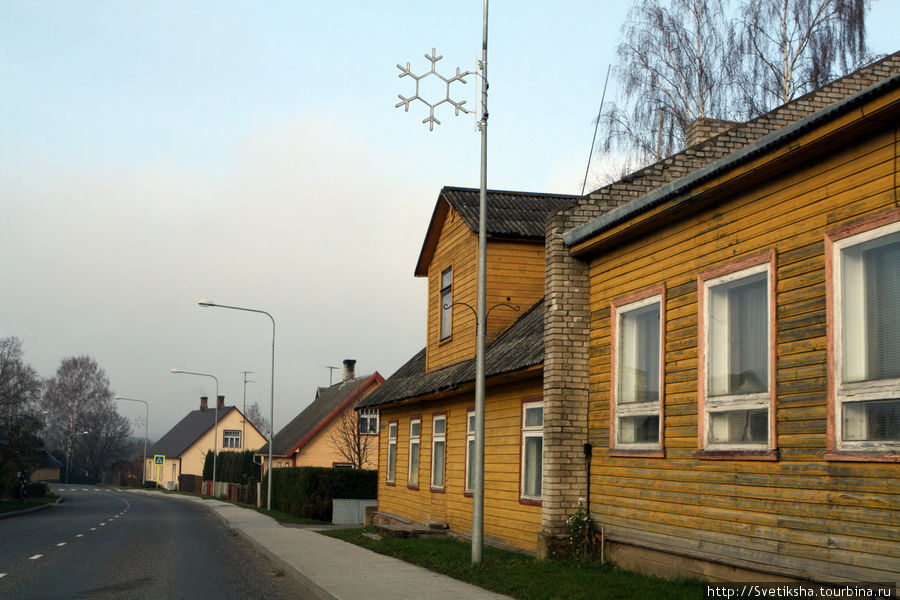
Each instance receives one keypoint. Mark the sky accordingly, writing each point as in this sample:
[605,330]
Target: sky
[155,154]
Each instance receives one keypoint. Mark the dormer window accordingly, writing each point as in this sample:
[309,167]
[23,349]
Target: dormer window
[446,302]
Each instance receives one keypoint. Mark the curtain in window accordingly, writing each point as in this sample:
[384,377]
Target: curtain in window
[639,355]
[748,368]
[882,282]
[534,447]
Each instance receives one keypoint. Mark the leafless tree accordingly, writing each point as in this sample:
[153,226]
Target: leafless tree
[256,417]
[80,413]
[683,60]
[791,47]
[349,440]
[673,67]
[20,385]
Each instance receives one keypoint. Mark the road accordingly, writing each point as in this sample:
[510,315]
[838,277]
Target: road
[103,543]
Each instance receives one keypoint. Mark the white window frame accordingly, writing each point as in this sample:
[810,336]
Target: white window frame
[470,451]
[391,475]
[438,438]
[445,320]
[529,432]
[846,392]
[232,435]
[725,403]
[623,410]
[415,440]
[368,421]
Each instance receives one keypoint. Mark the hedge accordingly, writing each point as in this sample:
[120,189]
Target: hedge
[232,467]
[308,491]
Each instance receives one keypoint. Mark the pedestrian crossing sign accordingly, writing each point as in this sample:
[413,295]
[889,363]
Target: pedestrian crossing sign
[159,459]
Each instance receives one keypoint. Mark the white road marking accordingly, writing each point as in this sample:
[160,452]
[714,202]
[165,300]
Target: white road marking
[102,524]
[93,529]
[2,575]
[80,535]
[60,544]
[35,557]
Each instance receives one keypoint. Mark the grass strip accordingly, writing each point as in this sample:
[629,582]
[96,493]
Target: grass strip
[522,576]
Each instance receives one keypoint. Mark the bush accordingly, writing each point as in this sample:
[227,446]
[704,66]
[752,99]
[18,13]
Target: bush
[232,467]
[33,489]
[308,491]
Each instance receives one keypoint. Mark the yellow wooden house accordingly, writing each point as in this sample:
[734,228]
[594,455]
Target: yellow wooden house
[184,447]
[744,345]
[427,406]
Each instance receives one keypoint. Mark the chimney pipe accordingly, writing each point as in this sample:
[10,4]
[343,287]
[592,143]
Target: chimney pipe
[220,402]
[349,369]
[203,402]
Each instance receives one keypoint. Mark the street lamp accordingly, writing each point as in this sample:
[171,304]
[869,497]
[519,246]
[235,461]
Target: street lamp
[216,434]
[146,422]
[210,303]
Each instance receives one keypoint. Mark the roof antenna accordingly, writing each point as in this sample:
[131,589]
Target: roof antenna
[596,125]
[330,375]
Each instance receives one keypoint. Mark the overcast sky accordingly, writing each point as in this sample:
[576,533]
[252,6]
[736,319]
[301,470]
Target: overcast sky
[153,154]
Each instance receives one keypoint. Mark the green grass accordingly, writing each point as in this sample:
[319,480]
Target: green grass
[522,576]
[14,505]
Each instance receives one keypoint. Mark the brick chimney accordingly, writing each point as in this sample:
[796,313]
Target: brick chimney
[203,402]
[220,402]
[349,369]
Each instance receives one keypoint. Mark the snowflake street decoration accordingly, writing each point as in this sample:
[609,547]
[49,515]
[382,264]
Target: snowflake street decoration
[430,119]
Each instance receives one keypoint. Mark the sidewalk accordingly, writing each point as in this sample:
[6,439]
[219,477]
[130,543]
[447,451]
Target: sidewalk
[331,569]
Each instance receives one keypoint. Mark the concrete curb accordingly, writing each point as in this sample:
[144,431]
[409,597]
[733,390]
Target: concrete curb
[25,511]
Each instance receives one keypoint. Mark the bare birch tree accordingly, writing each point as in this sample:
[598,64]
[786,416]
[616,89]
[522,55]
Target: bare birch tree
[791,47]
[674,66]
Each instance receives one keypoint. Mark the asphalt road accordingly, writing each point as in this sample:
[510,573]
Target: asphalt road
[102,543]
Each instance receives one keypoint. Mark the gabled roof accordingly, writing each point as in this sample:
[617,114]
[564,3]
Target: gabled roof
[194,425]
[510,215]
[660,182]
[519,347]
[329,403]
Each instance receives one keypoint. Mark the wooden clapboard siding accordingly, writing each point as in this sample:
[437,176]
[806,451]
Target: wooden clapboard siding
[801,515]
[514,275]
[506,520]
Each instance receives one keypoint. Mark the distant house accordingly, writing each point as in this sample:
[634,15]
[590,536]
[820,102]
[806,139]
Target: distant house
[312,438]
[426,458]
[185,445]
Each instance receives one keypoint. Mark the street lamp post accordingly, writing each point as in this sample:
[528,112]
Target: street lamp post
[216,434]
[146,422]
[209,304]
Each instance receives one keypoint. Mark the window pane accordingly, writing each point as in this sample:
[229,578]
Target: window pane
[872,421]
[739,427]
[739,348]
[533,457]
[471,425]
[534,416]
[639,355]
[440,426]
[414,464]
[392,431]
[639,430]
[470,467]
[414,428]
[437,465]
[446,310]
[882,267]
[392,462]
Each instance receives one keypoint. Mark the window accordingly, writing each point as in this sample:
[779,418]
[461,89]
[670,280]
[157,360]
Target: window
[866,309]
[736,359]
[368,421]
[470,451]
[415,431]
[392,452]
[532,449]
[438,451]
[446,303]
[637,379]
[231,438]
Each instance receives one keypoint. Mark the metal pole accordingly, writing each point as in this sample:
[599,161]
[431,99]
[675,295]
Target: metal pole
[146,423]
[216,431]
[210,303]
[481,320]
[244,429]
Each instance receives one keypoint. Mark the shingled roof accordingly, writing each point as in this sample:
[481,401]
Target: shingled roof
[519,347]
[510,215]
[329,402]
[195,424]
